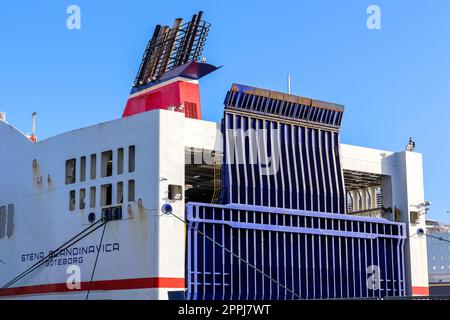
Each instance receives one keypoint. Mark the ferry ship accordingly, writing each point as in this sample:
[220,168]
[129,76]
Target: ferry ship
[160,204]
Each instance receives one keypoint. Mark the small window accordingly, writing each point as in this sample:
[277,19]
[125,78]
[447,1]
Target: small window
[70,171]
[112,213]
[120,157]
[119,192]
[72,200]
[93,166]
[92,196]
[106,196]
[131,159]
[131,190]
[82,199]
[10,224]
[82,168]
[107,164]
[2,221]
[414,217]
[175,192]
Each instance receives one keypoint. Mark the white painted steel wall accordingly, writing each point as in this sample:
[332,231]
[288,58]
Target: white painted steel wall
[151,244]
[403,186]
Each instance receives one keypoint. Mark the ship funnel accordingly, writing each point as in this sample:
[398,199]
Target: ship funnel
[170,69]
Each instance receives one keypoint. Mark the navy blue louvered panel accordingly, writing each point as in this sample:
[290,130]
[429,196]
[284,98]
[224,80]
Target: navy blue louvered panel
[284,165]
[240,252]
[284,106]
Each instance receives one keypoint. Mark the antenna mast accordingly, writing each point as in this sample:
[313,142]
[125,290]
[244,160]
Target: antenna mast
[289,83]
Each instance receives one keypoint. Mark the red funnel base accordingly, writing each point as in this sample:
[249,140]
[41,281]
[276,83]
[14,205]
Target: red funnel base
[178,94]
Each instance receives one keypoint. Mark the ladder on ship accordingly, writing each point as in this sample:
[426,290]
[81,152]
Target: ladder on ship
[217,180]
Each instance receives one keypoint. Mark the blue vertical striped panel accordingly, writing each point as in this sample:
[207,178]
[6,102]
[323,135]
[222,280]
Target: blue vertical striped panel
[283,254]
[283,106]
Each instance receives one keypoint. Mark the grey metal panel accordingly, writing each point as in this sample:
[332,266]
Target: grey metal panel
[2,221]
[10,223]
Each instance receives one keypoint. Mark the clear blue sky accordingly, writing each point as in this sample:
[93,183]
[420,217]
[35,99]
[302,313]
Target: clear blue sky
[394,82]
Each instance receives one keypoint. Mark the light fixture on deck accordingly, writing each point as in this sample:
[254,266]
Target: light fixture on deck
[167,209]
[420,232]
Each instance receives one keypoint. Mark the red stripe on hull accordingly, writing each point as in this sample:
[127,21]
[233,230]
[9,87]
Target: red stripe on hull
[421,291]
[121,284]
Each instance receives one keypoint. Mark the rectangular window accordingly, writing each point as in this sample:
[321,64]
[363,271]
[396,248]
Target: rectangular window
[131,190]
[82,199]
[119,192]
[131,158]
[2,221]
[120,154]
[72,200]
[106,196]
[70,171]
[92,196]
[93,166]
[107,164]
[10,224]
[82,169]
[113,213]
[175,192]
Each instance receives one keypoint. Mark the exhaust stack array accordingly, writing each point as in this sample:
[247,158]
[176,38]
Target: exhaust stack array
[170,69]
[172,47]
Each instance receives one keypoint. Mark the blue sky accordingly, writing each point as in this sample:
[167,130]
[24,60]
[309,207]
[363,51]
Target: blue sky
[394,82]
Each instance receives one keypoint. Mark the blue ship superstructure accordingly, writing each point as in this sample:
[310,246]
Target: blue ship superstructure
[281,230]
